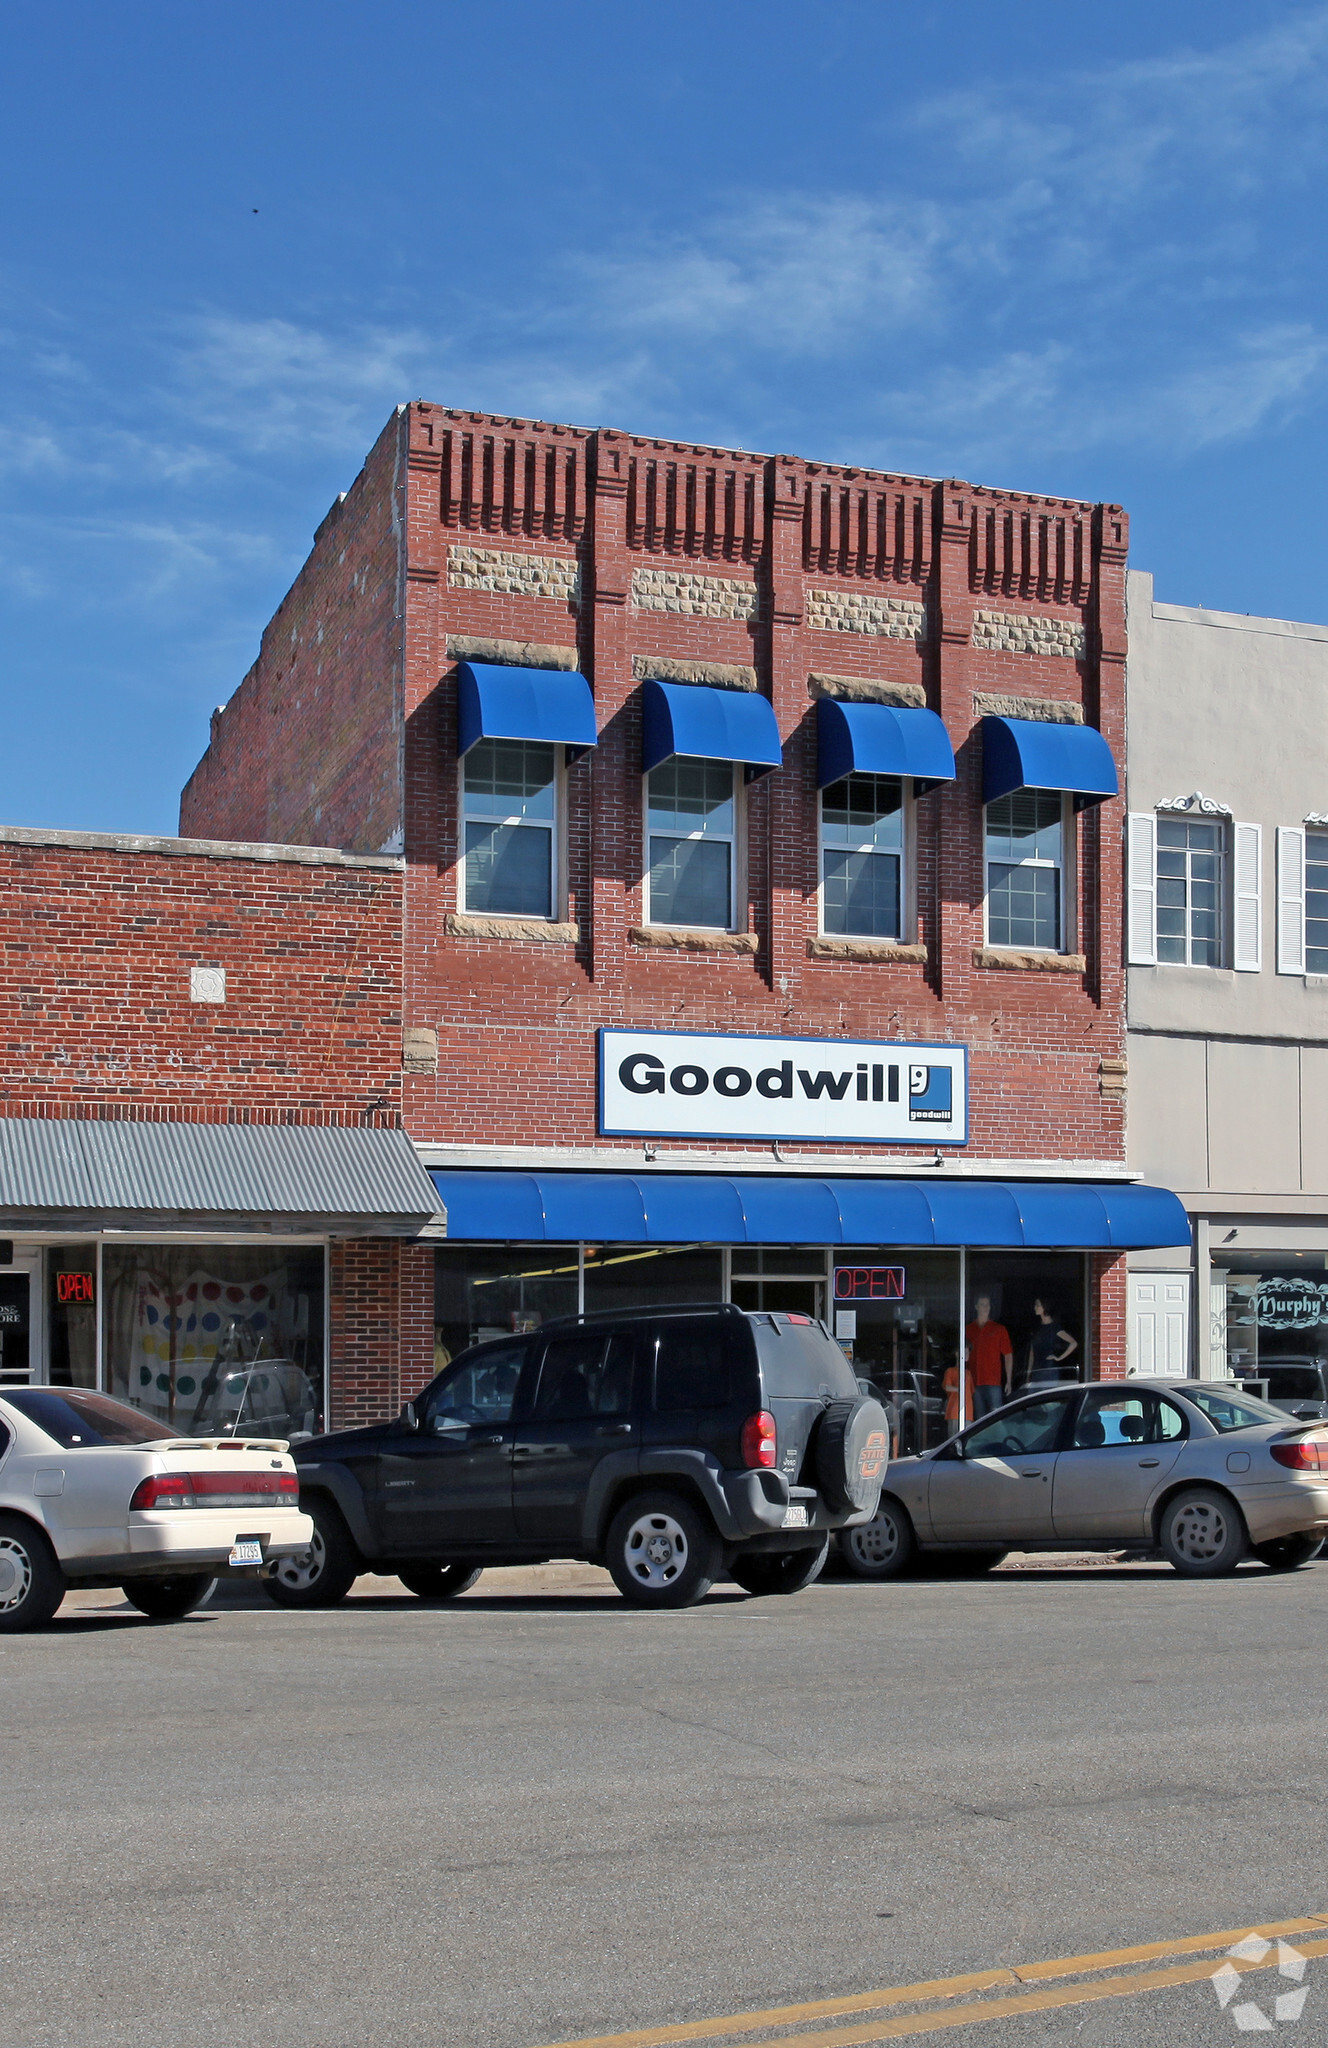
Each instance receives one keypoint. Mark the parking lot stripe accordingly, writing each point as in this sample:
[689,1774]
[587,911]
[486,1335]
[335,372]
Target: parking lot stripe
[955,1987]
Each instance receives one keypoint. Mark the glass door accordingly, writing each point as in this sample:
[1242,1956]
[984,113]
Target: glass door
[20,1320]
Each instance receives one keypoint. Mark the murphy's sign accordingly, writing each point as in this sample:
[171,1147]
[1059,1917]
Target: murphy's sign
[694,1084]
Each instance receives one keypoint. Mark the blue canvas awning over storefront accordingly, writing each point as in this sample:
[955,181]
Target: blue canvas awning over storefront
[703,1208]
[879,739]
[708,725]
[1023,753]
[498,703]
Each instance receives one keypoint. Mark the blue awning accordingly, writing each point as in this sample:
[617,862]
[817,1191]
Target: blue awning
[1022,753]
[704,1208]
[496,703]
[710,725]
[878,739]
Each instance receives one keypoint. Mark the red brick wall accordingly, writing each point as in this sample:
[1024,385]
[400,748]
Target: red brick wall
[380,1301]
[1109,1285]
[308,750]
[96,947]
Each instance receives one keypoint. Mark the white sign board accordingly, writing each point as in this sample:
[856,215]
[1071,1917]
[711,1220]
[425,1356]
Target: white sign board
[858,1091]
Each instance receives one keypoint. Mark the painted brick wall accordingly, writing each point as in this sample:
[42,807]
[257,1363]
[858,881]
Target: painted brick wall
[97,940]
[308,750]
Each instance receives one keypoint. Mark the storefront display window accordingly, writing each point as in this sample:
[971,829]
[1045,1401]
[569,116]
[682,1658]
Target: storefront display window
[786,1279]
[620,1276]
[897,1315]
[1037,1299]
[217,1340]
[1272,1315]
[492,1290]
[71,1315]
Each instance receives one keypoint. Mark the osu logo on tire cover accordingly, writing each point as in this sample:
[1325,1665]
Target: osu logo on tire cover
[872,1462]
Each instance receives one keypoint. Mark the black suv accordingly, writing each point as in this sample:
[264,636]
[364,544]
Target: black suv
[674,1445]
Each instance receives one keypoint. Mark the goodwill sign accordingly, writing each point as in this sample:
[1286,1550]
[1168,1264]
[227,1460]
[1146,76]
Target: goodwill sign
[691,1084]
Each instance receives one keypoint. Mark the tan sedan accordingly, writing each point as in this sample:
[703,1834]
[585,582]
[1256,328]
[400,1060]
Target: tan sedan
[1194,1469]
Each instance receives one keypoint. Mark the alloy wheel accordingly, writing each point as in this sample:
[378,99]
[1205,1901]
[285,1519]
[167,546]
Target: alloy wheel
[875,1543]
[299,1573]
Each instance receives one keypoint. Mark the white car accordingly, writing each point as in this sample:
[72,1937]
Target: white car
[93,1493]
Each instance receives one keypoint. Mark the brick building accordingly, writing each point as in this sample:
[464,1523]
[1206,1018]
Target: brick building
[203,1181]
[703,765]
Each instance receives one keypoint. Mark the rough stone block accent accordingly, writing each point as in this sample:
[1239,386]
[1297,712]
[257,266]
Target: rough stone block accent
[1112,1076]
[717,675]
[824,948]
[507,574]
[675,940]
[1027,633]
[1044,710]
[1030,963]
[867,690]
[461,924]
[419,1049]
[696,597]
[512,653]
[867,611]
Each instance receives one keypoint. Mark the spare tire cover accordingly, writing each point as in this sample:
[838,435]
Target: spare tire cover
[852,1451]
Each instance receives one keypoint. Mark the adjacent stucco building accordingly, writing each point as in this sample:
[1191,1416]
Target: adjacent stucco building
[1227,773]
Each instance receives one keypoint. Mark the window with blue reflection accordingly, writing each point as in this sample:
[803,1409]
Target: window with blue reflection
[1025,861]
[862,856]
[691,817]
[509,800]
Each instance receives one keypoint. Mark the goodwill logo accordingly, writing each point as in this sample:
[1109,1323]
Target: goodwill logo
[691,1084]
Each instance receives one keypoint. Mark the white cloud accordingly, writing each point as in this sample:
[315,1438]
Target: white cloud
[268,384]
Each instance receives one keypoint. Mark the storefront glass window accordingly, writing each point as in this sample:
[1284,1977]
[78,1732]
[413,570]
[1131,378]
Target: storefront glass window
[1031,1331]
[491,1290]
[217,1340]
[786,1279]
[897,1315]
[71,1315]
[1275,1325]
[620,1276]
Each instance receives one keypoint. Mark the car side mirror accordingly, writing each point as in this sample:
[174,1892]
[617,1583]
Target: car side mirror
[408,1418]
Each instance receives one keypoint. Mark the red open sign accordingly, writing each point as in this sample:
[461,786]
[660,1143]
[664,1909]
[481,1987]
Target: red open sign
[869,1283]
[74,1287]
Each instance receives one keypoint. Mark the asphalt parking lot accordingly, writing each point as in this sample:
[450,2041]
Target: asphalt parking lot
[538,1815]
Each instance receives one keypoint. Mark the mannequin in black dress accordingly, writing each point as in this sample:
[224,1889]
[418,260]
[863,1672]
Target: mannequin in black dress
[1050,1348]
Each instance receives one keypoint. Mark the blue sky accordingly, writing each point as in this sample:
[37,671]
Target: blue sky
[1060,249]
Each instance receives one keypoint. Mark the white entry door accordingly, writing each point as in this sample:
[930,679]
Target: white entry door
[1158,1337]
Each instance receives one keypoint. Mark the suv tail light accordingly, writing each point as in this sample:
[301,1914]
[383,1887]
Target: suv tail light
[215,1490]
[1309,1455]
[758,1440]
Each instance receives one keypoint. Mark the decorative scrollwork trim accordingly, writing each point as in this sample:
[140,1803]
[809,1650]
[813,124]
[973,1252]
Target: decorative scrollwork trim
[1207,805]
[1316,817]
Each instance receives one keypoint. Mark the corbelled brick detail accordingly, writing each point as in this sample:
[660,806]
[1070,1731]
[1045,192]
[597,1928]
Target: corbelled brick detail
[695,597]
[507,574]
[1026,633]
[867,611]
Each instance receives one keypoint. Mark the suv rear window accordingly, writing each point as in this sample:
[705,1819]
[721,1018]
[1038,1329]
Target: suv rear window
[800,1359]
[1293,1382]
[693,1368]
[77,1419]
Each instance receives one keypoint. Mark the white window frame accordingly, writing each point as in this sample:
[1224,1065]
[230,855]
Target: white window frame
[557,829]
[908,905]
[736,840]
[1143,934]
[1068,866]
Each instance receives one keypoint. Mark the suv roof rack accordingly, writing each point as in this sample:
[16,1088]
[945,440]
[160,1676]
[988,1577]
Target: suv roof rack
[663,1308]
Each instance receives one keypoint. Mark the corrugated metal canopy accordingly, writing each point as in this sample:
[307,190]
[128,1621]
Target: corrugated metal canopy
[697,1208]
[94,1171]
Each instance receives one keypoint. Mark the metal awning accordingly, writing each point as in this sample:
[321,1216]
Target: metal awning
[880,739]
[1022,753]
[709,725]
[77,1173]
[702,1208]
[498,703]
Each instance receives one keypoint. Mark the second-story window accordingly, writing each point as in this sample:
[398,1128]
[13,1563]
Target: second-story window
[509,805]
[691,821]
[1025,835]
[862,857]
[1316,902]
[1189,891]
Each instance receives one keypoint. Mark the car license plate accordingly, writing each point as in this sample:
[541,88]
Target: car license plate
[795,1516]
[247,1550]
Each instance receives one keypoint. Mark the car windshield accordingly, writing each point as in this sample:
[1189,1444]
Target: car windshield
[76,1419]
[1232,1411]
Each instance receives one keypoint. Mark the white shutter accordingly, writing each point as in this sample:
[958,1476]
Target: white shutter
[1142,914]
[1247,919]
[1291,899]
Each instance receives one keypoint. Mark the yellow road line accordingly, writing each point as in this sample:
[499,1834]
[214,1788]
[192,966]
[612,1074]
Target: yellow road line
[954,1987]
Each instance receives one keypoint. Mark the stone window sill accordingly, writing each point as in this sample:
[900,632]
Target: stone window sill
[460,924]
[827,948]
[1030,963]
[678,939]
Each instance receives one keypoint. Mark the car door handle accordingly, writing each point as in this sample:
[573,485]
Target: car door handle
[615,1429]
[500,1439]
[1032,1475]
[1148,1463]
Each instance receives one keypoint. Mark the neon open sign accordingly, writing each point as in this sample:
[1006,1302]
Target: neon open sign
[74,1287]
[869,1283]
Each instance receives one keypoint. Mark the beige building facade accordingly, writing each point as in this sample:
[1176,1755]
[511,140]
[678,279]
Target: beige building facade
[1227,944]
